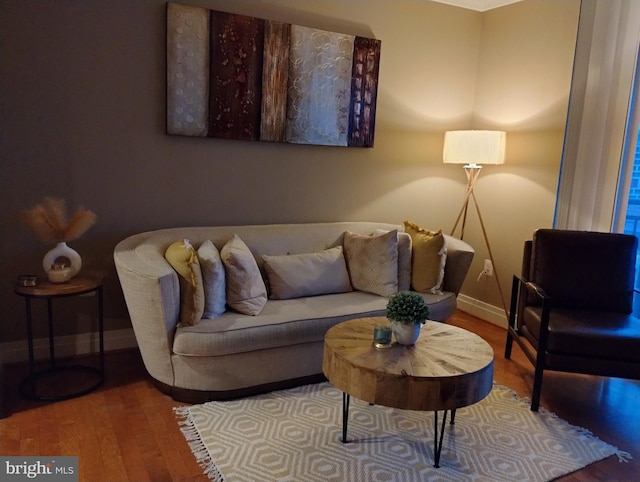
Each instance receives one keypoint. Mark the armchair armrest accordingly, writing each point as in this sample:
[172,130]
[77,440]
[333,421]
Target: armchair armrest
[535,289]
[520,288]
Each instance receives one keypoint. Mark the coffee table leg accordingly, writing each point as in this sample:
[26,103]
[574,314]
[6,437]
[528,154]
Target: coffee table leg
[345,415]
[437,444]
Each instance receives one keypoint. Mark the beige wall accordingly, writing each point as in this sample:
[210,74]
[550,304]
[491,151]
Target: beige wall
[82,104]
[522,87]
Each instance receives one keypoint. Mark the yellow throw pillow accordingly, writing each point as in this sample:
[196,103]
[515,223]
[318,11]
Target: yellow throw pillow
[428,256]
[183,258]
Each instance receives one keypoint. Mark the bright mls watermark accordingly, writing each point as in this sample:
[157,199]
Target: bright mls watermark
[51,469]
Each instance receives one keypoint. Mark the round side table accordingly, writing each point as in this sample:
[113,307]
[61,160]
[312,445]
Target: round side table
[45,290]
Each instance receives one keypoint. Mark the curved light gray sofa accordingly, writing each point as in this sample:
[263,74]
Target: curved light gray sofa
[237,355]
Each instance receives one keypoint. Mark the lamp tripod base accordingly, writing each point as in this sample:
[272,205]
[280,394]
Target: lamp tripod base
[473,172]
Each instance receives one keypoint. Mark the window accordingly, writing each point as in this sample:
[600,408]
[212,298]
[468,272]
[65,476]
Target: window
[596,170]
[628,205]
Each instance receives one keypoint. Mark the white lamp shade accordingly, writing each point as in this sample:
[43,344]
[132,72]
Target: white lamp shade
[474,147]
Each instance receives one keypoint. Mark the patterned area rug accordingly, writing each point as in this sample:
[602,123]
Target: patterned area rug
[294,435]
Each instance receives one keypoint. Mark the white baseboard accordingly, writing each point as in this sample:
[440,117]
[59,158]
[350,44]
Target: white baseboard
[67,346]
[484,311]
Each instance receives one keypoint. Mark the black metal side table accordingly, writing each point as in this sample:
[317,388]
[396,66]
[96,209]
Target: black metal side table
[79,285]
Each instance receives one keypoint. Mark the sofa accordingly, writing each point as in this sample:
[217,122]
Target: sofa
[280,345]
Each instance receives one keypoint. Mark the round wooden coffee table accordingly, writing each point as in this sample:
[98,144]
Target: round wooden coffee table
[448,368]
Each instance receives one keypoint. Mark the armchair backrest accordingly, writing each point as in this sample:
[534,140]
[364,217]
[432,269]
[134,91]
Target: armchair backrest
[585,270]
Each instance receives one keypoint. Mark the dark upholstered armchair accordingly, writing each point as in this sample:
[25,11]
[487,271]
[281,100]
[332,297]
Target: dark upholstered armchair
[573,305]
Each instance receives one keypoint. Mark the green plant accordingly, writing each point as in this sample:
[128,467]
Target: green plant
[407,307]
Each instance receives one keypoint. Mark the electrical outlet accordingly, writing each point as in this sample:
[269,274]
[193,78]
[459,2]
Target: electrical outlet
[488,267]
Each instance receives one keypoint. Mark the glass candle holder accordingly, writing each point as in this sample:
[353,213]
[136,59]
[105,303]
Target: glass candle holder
[382,337]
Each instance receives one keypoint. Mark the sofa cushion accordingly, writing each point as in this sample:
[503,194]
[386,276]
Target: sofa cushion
[429,254]
[246,292]
[601,335]
[213,278]
[288,322]
[182,257]
[373,262]
[297,275]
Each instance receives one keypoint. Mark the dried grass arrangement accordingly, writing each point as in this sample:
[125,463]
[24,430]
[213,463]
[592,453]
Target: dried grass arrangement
[48,220]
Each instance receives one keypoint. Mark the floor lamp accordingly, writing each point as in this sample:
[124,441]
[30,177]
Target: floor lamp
[473,149]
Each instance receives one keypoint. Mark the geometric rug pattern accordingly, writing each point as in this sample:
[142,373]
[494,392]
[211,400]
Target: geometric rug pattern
[294,435]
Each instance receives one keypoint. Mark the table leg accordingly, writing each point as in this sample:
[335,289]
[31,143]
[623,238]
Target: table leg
[101,331]
[345,415]
[32,369]
[437,443]
[52,356]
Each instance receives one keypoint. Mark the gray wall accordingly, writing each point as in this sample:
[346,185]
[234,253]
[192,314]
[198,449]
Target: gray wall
[82,113]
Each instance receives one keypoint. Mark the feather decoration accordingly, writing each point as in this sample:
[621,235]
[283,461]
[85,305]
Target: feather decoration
[79,223]
[48,220]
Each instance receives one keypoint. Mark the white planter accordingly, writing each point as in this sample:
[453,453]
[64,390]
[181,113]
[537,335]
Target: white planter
[406,333]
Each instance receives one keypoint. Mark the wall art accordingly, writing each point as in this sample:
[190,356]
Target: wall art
[232,76]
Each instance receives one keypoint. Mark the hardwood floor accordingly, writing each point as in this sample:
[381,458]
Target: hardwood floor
[127,431]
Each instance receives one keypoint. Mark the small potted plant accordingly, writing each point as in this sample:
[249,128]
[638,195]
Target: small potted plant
[407,311]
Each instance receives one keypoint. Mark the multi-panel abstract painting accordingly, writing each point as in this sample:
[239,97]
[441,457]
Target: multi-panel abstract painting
[236,77]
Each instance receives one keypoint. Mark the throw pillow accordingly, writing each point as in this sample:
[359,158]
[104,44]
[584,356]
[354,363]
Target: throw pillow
[298,275]
[404,262]
[246,292]
[213,279]
[183,259]
[373,262]
[429,254]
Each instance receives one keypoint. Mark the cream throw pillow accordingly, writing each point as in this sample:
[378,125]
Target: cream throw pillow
[298,275]
[429,254]
[404,262]
[373,262]
[213,278]
[246,292]
[183,258]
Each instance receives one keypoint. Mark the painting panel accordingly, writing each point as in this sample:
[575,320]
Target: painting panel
[236,76]
[320,67]
[275,81]
[187,70]
[364,91]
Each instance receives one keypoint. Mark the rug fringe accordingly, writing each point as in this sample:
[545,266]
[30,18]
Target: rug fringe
[197,446]
[623,456]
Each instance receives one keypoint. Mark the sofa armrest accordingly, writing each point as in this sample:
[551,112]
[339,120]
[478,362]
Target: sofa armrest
[152,294]
[459,257]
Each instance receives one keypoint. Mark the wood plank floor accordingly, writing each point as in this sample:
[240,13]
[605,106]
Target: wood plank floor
[127,431]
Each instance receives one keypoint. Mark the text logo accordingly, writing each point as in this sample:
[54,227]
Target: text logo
[39,468]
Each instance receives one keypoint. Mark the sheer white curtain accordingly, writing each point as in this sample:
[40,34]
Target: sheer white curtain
[602,84]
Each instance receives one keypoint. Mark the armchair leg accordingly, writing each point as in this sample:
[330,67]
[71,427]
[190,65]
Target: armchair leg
[508,346]
[537,386]
[512,317]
